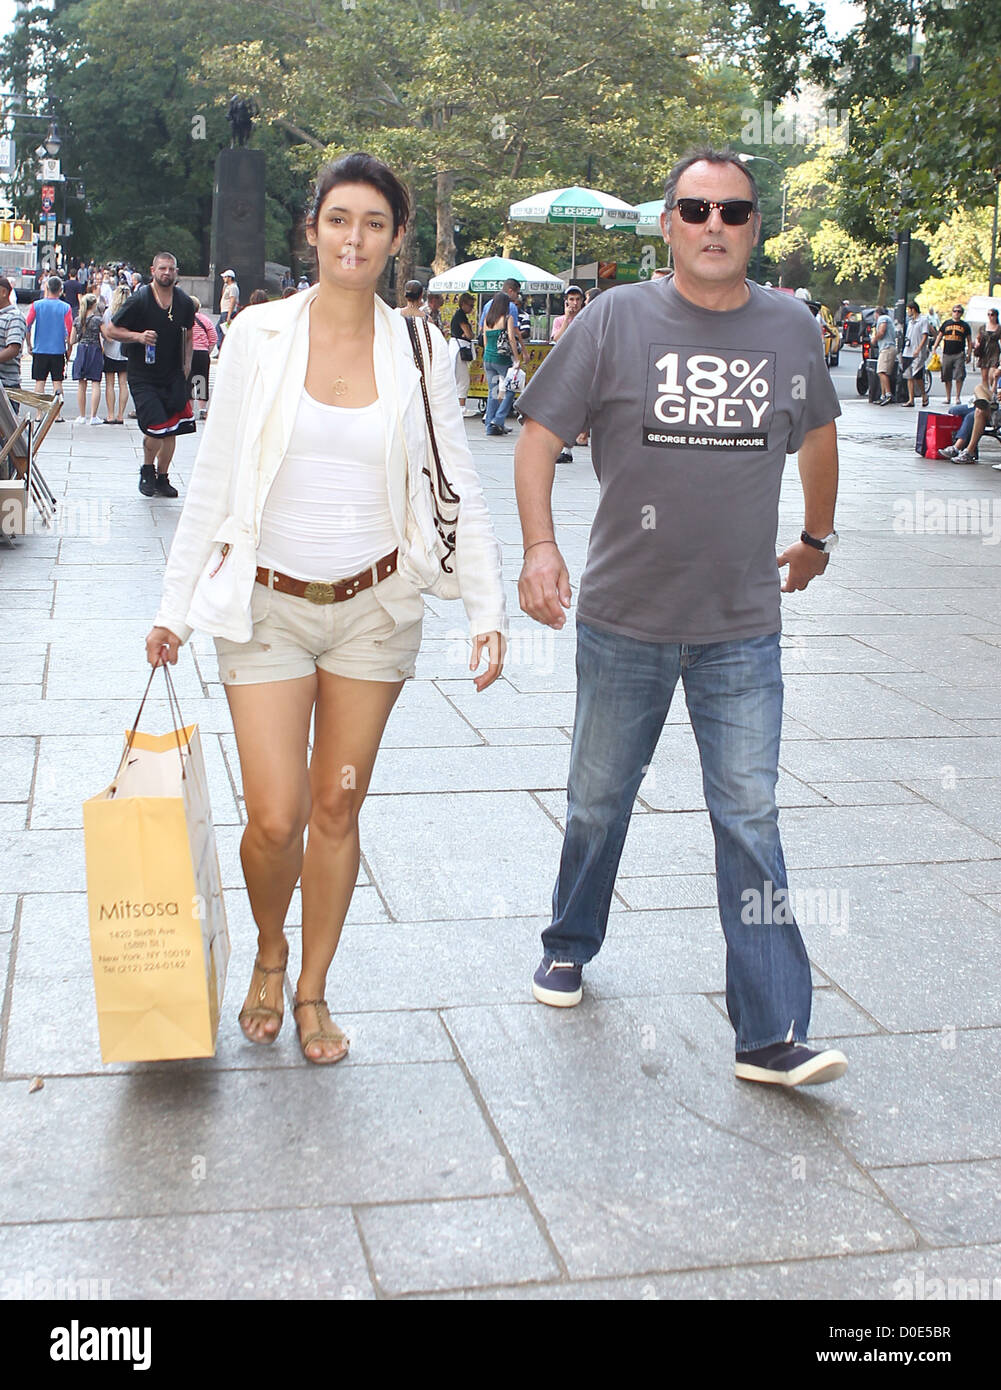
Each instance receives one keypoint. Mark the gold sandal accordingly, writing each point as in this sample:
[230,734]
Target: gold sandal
[260,1009]
[321,1034]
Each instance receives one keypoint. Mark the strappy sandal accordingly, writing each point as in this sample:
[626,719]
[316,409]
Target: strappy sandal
[260,1009]
[321,1034]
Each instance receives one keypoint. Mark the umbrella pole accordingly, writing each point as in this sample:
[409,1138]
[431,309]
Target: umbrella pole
[573,254]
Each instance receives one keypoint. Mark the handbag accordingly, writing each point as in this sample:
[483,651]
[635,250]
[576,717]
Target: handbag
[444,499]
[934,363]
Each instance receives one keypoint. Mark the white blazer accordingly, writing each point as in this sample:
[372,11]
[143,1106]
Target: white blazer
[209,580]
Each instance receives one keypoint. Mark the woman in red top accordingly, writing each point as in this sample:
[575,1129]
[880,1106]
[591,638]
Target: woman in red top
[203,340]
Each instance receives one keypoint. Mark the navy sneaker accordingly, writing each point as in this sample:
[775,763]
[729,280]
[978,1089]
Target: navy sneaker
[791,1064]
[557,982]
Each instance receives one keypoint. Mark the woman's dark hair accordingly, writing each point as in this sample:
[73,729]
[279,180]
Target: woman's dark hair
[258,297]
[499,307]
[362,168]
[413,290]
[466,301]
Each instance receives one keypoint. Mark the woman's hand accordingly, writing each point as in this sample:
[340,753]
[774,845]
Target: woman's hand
[162,647]
[495,662]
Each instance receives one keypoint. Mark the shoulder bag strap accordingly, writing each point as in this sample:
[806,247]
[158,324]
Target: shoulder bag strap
[442,493]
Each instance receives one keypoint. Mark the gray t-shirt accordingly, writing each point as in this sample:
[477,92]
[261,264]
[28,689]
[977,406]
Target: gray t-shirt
[692,413]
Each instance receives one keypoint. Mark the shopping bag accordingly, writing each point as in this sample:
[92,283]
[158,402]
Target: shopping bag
[939,433]
[158,936]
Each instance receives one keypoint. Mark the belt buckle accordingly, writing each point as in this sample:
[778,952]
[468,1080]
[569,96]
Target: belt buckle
[318,592]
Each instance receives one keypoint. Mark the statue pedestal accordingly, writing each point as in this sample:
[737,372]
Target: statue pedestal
[238,221]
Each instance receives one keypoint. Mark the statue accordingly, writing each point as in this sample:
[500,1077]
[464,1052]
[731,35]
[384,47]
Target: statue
[240,113]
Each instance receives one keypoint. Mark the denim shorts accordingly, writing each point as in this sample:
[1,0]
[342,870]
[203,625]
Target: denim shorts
[374,636]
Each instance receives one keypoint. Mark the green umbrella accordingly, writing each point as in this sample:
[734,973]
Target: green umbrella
[487,276]
[572,206]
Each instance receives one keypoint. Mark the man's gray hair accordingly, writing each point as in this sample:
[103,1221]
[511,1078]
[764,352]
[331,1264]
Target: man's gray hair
[706,155]
[54,284]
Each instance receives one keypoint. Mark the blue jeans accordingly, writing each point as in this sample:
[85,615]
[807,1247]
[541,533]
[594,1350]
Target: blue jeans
[967,414]
[734,696]
[497,411]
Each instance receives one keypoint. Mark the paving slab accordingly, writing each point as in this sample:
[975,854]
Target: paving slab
[312,1253]
[633,1196]
[175,1142]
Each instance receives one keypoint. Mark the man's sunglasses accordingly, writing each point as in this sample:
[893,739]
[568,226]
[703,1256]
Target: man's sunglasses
[734,212]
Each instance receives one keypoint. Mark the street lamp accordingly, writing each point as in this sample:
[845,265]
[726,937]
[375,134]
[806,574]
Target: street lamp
[746,159]
[52,142]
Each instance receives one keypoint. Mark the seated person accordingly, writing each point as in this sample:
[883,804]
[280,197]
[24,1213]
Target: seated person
[975,418]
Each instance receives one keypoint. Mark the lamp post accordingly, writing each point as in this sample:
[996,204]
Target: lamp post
[763,158]
[991,274]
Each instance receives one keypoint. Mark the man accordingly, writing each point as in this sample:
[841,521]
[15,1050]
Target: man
[884,340]
[512,288]
[956,338]
[975,419]
[695,388]
[156,326]
[573,303]
[72,290]
[229,301]
[912,363]
[49,325]
[12,331]
[432,309]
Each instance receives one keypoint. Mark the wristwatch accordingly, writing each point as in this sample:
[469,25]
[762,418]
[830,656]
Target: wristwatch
[826,545]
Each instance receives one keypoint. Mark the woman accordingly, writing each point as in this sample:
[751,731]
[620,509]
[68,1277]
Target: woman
[413,300]
[461,334]
[88,365]
[311,468]
[203,340]
[500,353]
[990,355]
[115,362]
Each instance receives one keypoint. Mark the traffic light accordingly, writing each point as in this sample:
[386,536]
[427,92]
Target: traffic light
[20,232]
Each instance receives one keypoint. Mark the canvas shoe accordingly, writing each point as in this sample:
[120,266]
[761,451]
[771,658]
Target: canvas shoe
[791,1064]
[949,452]
[964,456]
[557,982]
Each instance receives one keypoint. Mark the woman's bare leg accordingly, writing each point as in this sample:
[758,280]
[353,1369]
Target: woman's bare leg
[271,721]
[350,718]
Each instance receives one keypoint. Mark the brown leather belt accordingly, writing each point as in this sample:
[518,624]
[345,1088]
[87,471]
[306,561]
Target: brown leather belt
[337,591]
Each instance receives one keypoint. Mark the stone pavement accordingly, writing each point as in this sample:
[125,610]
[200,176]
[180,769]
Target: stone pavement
[476,1143]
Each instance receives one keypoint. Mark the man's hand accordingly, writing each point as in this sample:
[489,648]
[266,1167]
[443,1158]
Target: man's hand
[544,585]
[148,337]
[805,563]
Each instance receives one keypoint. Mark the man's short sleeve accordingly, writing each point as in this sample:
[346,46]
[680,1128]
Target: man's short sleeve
[130,314]
[820,402]
[15,329]
[559,393]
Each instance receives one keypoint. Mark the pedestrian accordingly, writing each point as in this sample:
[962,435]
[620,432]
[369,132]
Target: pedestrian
[47,343]
[432,310]
[72,290]
[500,353]
[107,289]
[974,420]
[229,303]
[115,362]
[696,388]
[303,284]
[915,354]
[156,326]
[956,339]
[88,365]
[884,337]
[461,334]
[990,355]
[413,300]
[298,646]
[573,303]
[12,331]
[258,297]
[203,340]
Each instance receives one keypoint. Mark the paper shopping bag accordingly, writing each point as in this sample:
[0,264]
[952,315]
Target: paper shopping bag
[158,936]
